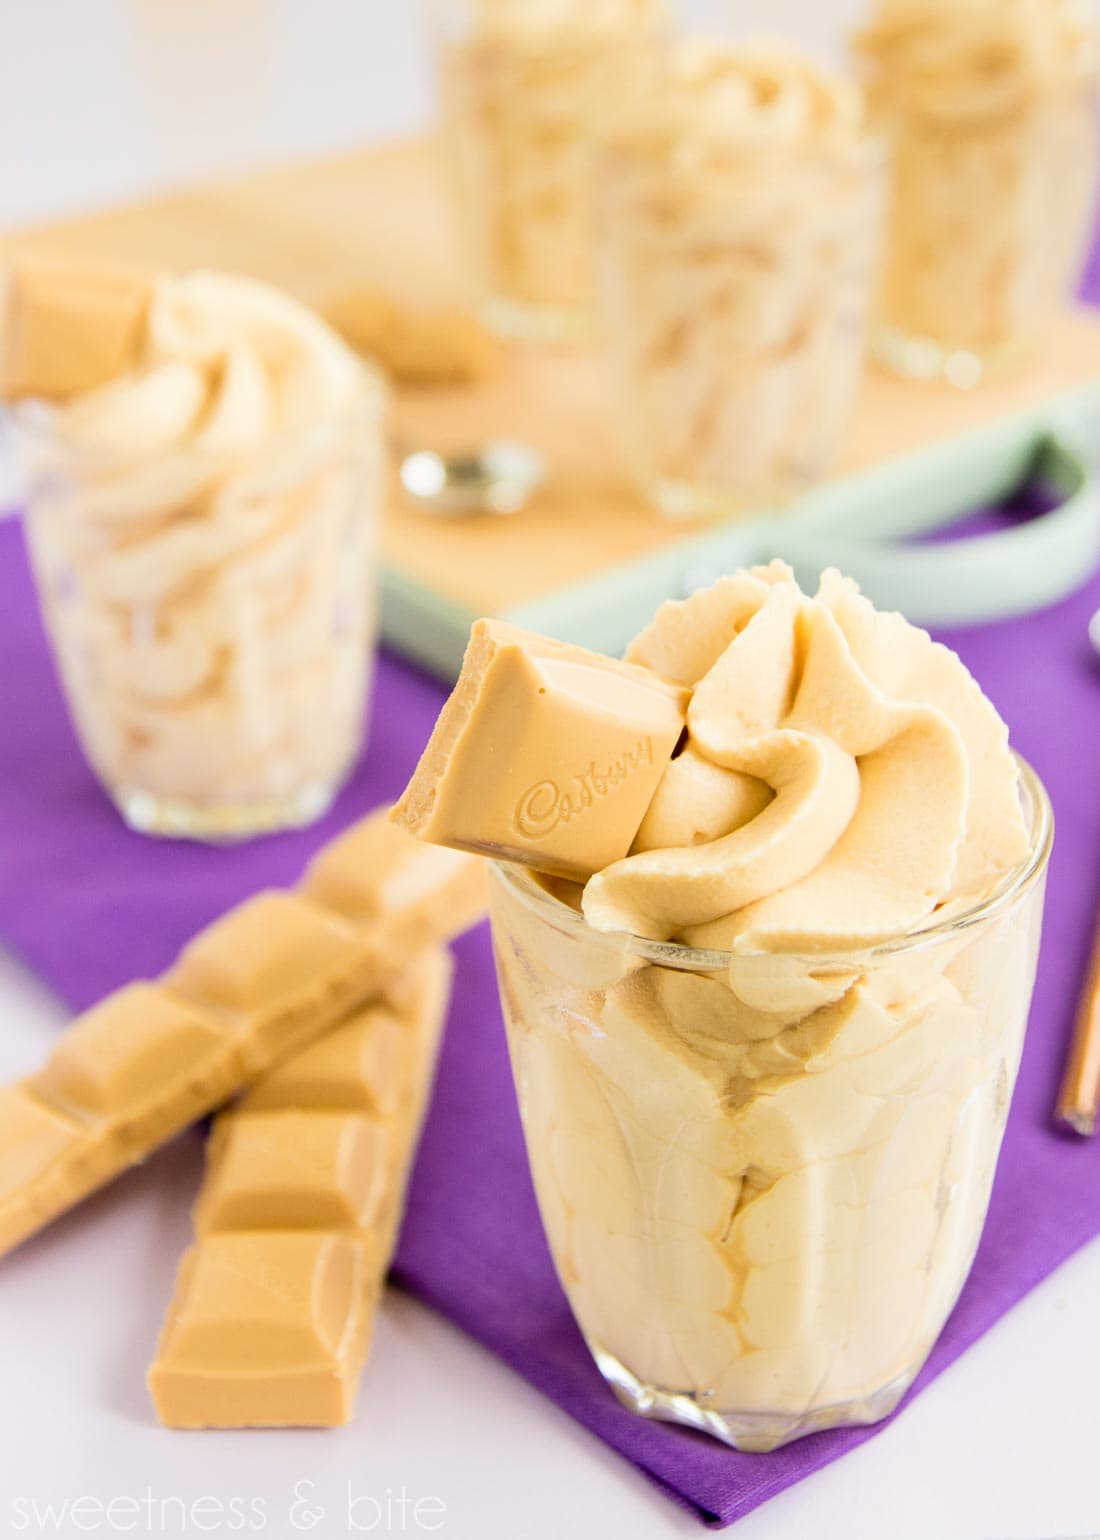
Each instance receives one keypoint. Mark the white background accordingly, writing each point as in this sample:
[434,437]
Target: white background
[101,100]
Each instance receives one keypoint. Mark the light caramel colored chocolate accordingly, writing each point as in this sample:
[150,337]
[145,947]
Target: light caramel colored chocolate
[66,329]
[258,984]
[268,966]
[293,1170]
[271,1319]
[430,345]
[252,1299]
[116,1064]
[360,1065]
[36,1142]
[544,754]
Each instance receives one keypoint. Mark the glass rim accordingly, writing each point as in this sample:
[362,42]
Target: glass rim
[1013,886]
[32,419]
[871,147]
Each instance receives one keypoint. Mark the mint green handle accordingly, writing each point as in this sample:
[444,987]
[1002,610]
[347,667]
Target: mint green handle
[859,523]
[979,578]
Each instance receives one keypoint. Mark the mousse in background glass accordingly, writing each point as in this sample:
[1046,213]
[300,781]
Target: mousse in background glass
[738,222]
[211,614]
[524,86]
[991,114]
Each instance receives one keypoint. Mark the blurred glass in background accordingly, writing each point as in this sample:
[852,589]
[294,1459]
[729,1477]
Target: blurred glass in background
[525,86]
[991,114]
[739,215]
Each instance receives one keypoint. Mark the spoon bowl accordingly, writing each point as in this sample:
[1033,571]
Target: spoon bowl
[501,476]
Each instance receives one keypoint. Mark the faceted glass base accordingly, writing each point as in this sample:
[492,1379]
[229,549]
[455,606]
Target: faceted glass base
[751,1432]
[518,321]
[220,823]
[931,361]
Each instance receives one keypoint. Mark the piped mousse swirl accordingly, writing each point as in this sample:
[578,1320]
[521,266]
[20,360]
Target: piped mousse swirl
[843,781]
[202,525]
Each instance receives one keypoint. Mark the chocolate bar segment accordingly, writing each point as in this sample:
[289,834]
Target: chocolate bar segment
[545,754]
[119,1061]
[66,329]
[372,872]
[363,1063]
[286,1181]
[436,345]
[273,963]
[315,1170]
[265,956]
[266,1326]
[37,1145]
[262,982]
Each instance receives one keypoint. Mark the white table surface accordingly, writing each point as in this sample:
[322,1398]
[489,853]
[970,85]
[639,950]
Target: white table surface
[100,100]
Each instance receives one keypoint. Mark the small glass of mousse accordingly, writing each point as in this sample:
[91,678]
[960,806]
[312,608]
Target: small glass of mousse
[990,110]
[738,214]
[202,531]
[764,1058]
[524,86]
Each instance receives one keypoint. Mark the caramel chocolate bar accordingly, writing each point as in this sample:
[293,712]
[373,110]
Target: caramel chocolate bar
[544,754]
[67,329]
[261,982]
[360,1065]
[270,1323]
[436,345]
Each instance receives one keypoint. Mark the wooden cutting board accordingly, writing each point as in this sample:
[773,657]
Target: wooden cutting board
[588,559]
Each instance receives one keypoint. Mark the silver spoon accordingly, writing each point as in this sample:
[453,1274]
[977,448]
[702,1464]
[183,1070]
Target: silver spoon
[501,476]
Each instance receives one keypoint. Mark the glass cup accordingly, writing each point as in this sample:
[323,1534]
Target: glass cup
[991,114]
[212,616]
[734,282]
[763,1178]
[524,85]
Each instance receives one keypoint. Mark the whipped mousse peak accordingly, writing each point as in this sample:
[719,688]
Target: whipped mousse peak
[226,363]
[718,100]
[211,507]
[978,59]
[843,778]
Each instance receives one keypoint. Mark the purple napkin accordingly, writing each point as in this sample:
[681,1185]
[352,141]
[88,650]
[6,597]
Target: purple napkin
[89,905]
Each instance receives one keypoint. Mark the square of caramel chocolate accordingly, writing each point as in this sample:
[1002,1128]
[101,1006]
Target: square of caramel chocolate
[66,329]
[139,1055]
[35,1139]
[375,871]
[365,1063]
[274,963]
[545,754]
[266,1329]
[297,1170]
